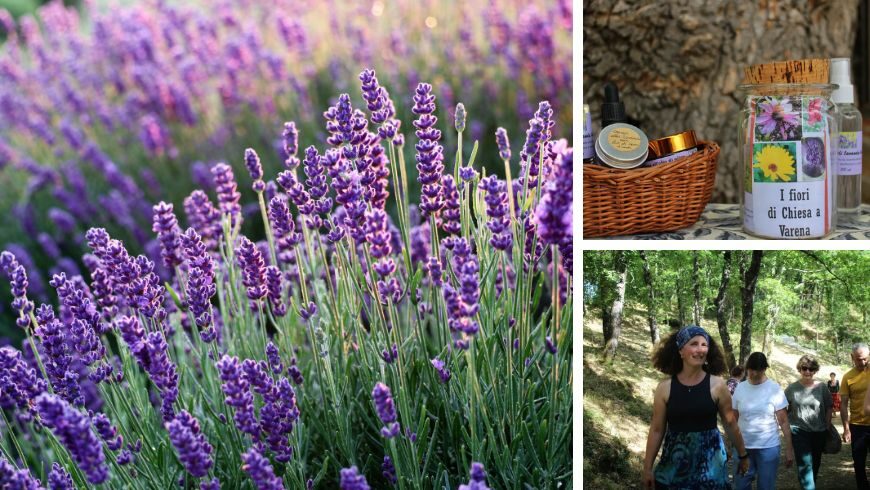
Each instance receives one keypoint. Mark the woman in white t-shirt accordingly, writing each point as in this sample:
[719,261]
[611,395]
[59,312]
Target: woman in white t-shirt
[760,405]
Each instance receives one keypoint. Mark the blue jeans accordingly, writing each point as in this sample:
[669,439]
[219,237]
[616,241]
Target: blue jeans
[763,464]
[808,448]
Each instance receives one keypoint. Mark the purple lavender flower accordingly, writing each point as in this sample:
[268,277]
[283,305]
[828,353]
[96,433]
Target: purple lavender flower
[107,432]
[73,429]
[255,168]
[317,189]
[18,281]
[13,478]
[83,321]
[388,470]
[274,358]
[459,117]
[213,484]
[504,146]
[291,145]
[190,443]
[227,193]
[236,388]
[383,399]
[551,345]
[275,291]
[478,478]
[260,471]
[19,383]
[462,303]
[200,282]
[278,416]
[253,271]
[151,354]
[339,124]
[352,480]
[62,220]
[378,236]
[166,227]
[59,478]
[125,457]
[295,373]
[391,354]
[443,372]
[284,230]
[450,213]
[498,212]
[56,356]
[203,217]
[434,271]
[553,218]
[429,153]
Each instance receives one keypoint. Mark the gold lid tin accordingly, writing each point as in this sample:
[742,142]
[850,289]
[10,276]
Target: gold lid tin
[672,144]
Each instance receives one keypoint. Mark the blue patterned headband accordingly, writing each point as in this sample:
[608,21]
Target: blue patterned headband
[687,333]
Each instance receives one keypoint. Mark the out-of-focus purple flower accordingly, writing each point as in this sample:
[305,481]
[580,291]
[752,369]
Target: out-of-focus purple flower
[351,479]
[62,220]
[258,468]
[504,146]
[12,478]
[386,409]
[213,484]
[200,283]
[450,213]
[227,193]
[255,168]
[553,216]
[291,145]
[125,457]
[420,243]
[391,354]
[434,270]
[203,217]
[59,478]
[73,429]
[307,312]
[295,373]
[443,372]
[190,443]
[154,136]
[253,271]
[104,428]
[166,227]
[49,246]
[497,210]
[459,116]
[18,282]
[478,478]
[429,153]
[388,470]
[551,345]
[236,388]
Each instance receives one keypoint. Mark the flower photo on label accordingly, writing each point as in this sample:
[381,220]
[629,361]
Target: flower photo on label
[774,162]
[778,119]
[813,150]
[812,118]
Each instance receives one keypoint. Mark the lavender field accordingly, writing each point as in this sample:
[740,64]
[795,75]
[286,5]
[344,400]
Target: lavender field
[286,245]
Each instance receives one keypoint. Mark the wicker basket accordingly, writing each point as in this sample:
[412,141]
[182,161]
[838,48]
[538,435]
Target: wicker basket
[663,198]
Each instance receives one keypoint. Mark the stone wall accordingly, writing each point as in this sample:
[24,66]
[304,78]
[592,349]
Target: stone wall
[678,62]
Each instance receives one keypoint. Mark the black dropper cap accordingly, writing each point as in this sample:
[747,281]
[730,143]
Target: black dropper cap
[612,110]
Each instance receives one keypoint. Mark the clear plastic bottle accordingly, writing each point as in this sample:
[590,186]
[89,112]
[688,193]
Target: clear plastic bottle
[849,155]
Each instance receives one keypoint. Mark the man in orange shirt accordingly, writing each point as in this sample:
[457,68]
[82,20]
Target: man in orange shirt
[856,422]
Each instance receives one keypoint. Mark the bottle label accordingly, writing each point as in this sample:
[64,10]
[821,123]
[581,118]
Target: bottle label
[588,145]
[670,158]
[849,153]
[787,179]
[624,139]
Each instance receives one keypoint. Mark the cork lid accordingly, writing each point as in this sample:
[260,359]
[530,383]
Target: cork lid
[792,71]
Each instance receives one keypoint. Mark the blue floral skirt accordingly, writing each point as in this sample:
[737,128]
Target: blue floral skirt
[693,460]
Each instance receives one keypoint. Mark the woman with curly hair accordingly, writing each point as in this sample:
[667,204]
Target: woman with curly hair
[684,416]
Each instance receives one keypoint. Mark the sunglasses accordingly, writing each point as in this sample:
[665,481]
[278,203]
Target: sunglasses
[808,369]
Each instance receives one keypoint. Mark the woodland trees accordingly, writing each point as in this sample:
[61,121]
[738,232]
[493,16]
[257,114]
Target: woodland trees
[752,297]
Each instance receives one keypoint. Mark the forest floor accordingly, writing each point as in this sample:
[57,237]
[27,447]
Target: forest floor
[617,406]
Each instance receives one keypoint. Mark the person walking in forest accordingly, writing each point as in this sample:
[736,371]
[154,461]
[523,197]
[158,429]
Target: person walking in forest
[736,374]
[834,388]
[856,421]
[760,406]
[684,416]
[809,414]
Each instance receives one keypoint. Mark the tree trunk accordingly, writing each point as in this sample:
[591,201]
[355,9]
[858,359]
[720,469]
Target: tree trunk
[651,300]
[719,302]
[770,330]
[750,280]
[617,307]
[713,42]
[681,307]
[696,286]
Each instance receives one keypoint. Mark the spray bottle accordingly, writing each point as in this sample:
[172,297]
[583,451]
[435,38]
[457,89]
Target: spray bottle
[849,155]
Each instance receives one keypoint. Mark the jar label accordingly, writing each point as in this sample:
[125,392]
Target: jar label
[849,153]
[624,139]
[788,182]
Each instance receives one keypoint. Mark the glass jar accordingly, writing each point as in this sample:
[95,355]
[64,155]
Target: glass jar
[788,141]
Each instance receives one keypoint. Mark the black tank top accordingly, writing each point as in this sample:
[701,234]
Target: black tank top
[691,408]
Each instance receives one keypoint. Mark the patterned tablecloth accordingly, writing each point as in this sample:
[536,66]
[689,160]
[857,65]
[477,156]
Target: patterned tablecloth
[722,222]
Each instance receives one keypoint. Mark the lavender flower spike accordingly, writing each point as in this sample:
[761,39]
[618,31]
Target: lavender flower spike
[478,478]
[504,146]
[459,117]
[73,429]
[429,153]
[386,409]
[259,469]
[166,227]
[18,281]
[253,270]
[228,195]
[553,213]
[190,443]
[59,478]
[352,480]
[255,168]
[238,395]
[12,478]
